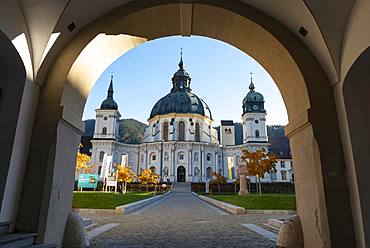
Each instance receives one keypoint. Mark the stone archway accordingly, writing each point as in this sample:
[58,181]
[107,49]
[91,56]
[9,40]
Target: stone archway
[356,89]
[313,129]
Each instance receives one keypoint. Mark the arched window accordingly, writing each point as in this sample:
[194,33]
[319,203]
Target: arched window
[181,131]
[273,174]
[283,175]
[152,157]
[104,131]
[209,157]
[101,156]
[209,172]
[257,134]
[165,131]
[197,132]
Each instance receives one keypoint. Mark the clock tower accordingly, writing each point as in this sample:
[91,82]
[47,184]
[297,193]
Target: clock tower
[254,117]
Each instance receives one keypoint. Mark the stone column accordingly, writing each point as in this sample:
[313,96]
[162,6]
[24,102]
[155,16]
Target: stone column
[242,173]
[46,198]
[190,162]
[319,176]
[203,166]
[173,161]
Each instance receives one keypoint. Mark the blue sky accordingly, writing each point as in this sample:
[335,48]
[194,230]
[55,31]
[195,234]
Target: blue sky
[219,72]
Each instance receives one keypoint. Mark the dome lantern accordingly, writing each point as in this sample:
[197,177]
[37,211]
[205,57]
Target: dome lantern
[181,79]
[181,99]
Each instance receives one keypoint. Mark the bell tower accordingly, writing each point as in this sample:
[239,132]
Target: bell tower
[254,117]
[107,117]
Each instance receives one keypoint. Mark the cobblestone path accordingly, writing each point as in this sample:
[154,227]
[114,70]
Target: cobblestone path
[180,220]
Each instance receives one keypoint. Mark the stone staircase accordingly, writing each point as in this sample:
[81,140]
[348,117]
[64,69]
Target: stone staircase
[18,240]
[180,187]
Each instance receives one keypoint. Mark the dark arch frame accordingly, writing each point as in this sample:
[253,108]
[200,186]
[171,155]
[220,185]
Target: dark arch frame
[318,121]
[356,92]
[12,82]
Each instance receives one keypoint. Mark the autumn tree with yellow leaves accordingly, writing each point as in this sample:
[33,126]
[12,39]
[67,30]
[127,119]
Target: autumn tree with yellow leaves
[218,179]
[148,177]
[82,164]
[258,163]
[125,175]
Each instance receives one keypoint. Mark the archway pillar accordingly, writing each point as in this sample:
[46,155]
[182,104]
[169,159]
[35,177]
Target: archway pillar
[309,184]
[47,191]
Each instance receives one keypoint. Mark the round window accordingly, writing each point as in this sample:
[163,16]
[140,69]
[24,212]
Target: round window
[256,121]
[105,118]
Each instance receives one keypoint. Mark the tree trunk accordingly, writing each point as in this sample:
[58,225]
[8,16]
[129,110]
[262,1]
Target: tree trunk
[124,188]
[219,188]
[259,185]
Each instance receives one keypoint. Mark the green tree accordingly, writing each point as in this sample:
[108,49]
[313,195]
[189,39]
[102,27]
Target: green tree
[258,163]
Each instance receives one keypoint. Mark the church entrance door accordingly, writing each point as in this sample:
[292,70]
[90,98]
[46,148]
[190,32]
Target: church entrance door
[181,174]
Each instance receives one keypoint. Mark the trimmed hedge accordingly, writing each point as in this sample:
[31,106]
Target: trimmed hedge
[278,187]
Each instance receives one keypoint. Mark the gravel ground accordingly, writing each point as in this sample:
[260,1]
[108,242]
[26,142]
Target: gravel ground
[179,220]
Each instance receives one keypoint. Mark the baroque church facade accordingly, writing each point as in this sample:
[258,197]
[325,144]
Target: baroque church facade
[180,143]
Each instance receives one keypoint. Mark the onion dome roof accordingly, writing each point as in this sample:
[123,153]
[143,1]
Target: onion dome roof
[109,103]
[181,99]
[253,101]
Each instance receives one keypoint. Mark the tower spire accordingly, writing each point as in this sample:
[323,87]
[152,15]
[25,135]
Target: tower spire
[110,89]
[181,63]
[251,85]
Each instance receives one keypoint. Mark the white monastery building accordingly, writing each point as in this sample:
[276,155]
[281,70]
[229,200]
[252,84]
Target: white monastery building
[180,143]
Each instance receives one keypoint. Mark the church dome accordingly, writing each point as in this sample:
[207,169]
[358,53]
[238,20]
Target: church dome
[181,99]
[109,103]
[253,101]
[181,102]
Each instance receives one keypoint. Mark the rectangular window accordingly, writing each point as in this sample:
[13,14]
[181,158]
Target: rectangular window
[282,164]
[181,156]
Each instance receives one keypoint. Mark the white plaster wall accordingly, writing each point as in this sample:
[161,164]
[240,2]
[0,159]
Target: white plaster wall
[249,127]
[227,139]
[111,124]
[154,132]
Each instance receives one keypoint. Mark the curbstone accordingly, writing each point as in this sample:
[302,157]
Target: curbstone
[232,209]
[129,208]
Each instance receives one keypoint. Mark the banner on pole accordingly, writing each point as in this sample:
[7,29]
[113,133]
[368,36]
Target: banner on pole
[106,166]
[230,167]
[124,160]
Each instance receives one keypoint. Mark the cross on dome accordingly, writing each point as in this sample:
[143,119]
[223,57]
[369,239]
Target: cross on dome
[251,85]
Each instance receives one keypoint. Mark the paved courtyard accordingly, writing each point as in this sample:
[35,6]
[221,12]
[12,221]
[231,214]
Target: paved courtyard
[179,220]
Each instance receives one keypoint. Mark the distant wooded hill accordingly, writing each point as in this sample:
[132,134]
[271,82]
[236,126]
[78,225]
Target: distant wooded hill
[131,131]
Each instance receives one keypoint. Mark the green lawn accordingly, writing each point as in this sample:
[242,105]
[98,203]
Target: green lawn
[101,200]
[264,201]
